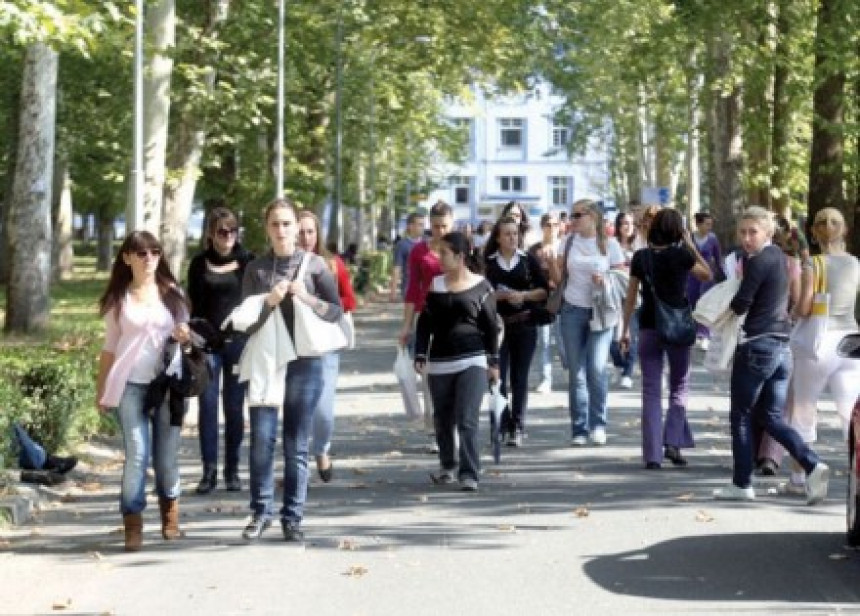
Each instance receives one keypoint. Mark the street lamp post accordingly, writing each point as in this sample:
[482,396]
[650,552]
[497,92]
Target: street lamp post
[134,209]
[338,143]
[279,147]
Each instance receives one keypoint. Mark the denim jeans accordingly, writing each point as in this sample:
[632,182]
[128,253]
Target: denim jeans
[304,384]
[515,359]
[676,431]
[587,352]
[759,387]
[146,436]
[31,455]
[457,399]
[627,362]
[324,413]
[544,342]
[232,401]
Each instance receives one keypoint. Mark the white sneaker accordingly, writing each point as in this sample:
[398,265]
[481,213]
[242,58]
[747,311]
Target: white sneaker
[467,484]
[704,343]
[733,493]
[545,387]
[445,477]
[598,436]
[816,484]
[626,382]
[579,441]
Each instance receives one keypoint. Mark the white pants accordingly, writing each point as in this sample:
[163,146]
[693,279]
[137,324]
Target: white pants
[811,377]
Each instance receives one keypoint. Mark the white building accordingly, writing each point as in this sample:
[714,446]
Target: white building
[516,151]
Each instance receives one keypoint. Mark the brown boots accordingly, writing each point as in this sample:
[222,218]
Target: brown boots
[133,523]
[169,518]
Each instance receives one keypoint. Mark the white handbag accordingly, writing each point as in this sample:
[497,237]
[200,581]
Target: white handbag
[313,335]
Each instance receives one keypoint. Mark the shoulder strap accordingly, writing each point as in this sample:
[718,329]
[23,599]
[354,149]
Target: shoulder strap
[567,245]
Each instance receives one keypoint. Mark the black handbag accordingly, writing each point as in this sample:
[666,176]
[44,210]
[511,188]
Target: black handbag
[675,326]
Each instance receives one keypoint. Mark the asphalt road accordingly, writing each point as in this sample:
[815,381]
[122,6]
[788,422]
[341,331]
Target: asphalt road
[553,530]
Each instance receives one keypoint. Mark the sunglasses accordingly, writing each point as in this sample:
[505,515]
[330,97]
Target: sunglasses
[578,214]
[225,233]
[141,254]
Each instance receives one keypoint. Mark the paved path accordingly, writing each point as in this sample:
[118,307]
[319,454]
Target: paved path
[553,530]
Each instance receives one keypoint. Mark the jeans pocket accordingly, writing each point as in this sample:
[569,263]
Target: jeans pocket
[761,362]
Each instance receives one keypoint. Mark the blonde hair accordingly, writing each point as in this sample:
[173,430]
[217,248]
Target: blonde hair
[599,227]
[760,215]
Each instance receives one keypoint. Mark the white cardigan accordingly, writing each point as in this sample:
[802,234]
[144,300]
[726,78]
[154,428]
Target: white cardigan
[263,364]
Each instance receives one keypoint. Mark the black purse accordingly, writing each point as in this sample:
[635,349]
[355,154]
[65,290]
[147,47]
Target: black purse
[675,326]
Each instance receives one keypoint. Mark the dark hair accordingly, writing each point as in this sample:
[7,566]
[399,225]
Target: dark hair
[492,245]
[562,216]
[545,220]
[701,217]
[624,241]
[666,228]
[440,208]
[458,243]
[524,218]
[214,220]
[413,216]
[121,277]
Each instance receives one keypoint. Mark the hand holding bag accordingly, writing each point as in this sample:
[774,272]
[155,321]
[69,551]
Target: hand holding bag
[555,299]
[675,326]
[313,335]
[406,379]
[809,331]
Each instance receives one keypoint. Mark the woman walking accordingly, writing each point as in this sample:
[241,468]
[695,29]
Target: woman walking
[590,256]
[763,363]
[456,345]
[215,289]
[142,307]
[545,251]
[662,270]
[310,240]
[274,274]
[518,280]
[625,361]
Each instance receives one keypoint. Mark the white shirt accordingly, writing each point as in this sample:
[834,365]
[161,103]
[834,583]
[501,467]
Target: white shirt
[583,261]
[509,265]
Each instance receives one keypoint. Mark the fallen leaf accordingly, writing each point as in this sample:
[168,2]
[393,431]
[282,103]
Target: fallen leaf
[581,512]
[347,544]
[58,605]
[685,497]
[69,498]
[356,571]
[4,544]
[704,516]
[392,454]
[359,471]
[508,528]
[358,486]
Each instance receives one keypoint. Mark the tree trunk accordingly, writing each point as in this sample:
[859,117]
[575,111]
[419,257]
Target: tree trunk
[104,243]
[828,103]
[63,251]
[694,200]
[161,37]
[781,117]
[12,102]
[27,299]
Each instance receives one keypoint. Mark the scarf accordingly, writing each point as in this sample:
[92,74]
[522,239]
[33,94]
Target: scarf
[237,254]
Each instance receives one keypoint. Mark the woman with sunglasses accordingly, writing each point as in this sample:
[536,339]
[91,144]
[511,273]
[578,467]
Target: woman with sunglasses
[215,289]
[310,240]
[589,256]
[142,307]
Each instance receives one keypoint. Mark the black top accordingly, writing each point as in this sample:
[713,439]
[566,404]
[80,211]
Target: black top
[525,275]
[214,295]
[668,268]
[763,295]
[461,325]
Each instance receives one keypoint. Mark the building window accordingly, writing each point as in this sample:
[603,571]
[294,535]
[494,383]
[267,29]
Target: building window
[512,183]
[559,188]
[511,132]
[560,137]
[462,188]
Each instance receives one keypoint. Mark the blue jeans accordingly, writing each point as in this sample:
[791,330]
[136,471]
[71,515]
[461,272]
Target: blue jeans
[515,359]
[544,340]
[31,455]
[587,352]
[759,387]
[324,412]
[146,436]
[232,401]
[623,362]
[304,384]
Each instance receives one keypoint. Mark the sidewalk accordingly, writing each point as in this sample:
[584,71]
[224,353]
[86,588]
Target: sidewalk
[553,530]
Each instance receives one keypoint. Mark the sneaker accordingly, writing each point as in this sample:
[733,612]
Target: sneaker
[292,531]
[255,528]
[767,468]
[598,436]
[43,477]
[816,484]
[626,382]
[579,441]
[545,387]
[444,477]
[60,464]
[733,493]
[789,488]
[468,484]
[432,446]
[704,343]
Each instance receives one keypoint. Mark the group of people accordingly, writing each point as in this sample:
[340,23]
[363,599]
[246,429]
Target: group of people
[144,306]
[472,316]
[478,315]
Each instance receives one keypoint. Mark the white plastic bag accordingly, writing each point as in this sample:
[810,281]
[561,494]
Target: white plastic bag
[407,380]
[723,342]
[498,402]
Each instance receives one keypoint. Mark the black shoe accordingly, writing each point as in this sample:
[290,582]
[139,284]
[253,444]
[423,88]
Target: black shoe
[653,466]
[232,481]
[44,477]
[674,455]
[209,481]
[326,474]
[292,532]
[767,467]
[255,528]
[60,464]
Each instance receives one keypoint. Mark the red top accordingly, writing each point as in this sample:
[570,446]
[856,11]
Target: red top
[344,285]
[423,268]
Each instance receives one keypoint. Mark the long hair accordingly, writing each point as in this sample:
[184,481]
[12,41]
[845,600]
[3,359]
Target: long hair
[121,277]
[318,247]
[214,220]
[625,242]
[492,245]
[525,225]
[599,226]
